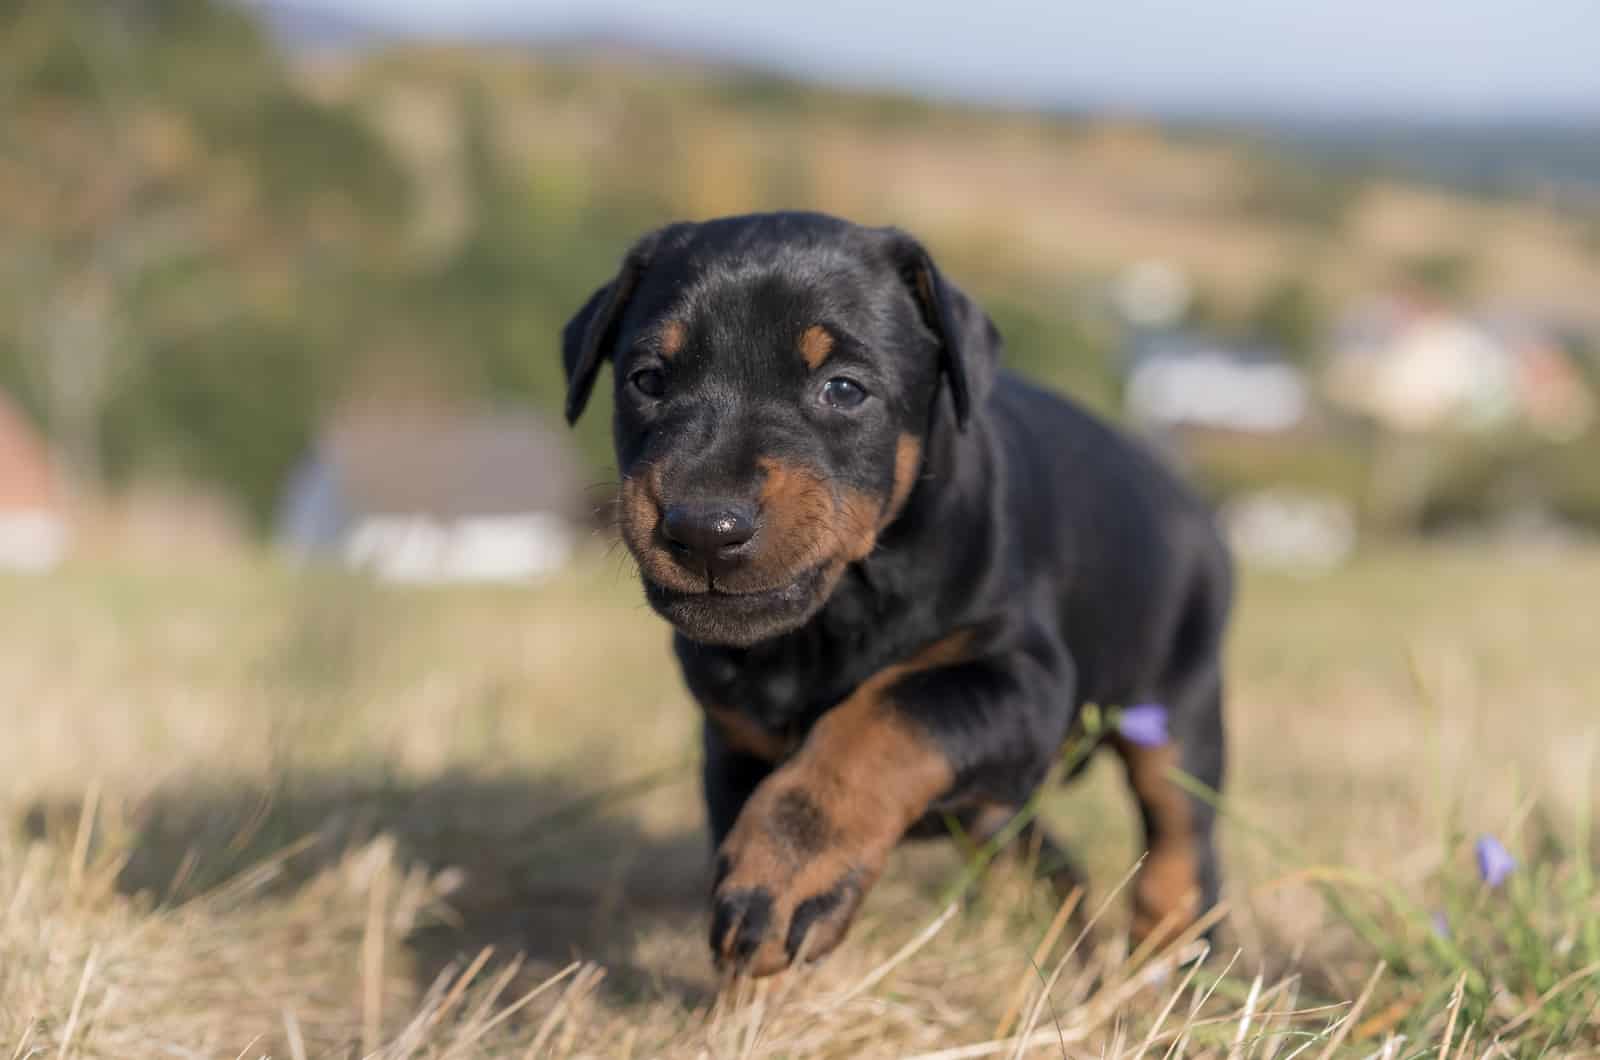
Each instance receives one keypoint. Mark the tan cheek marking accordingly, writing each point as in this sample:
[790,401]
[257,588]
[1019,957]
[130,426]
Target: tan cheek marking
[811,523]
[815,345]
[637,513]
[907,462]
[857,524]
[1169,882]
[800,515]
[672,336]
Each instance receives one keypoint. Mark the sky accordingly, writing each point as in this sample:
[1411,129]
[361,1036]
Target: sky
[1471,59]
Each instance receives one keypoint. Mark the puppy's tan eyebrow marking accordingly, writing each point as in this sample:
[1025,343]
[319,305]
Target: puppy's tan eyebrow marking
[815,344]
[671,338]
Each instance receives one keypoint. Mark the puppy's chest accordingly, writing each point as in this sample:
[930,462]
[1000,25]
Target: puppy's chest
[765,706]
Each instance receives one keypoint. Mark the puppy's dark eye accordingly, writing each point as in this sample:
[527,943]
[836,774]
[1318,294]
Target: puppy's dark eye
[842,393]
[651,382]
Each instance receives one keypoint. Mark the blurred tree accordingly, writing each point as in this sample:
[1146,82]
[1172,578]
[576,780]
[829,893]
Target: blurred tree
[1443,274]
[164,189]
[533,250]
[1048,345]
[1289,317]
[1293,192]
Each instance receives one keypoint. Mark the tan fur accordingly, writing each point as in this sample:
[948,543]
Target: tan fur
[807,524]
[743,734]
[1167,893]
[815,346]
[907,462]
[672,335]
[638,513]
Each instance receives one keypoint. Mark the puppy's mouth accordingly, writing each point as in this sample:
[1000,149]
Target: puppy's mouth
[796,589]
[718,615]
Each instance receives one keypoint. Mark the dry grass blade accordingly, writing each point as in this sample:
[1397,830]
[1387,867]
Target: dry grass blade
[1386,1018]
[372,947]
[24,1039]
[1455,1011]
[414,1034]
[1181,1040]
[77,1001]
[1561,986]
[1274,1039]
[258,874]
[905,953]
[1017,1046]
[1166,1010]
[1348,1023]
[473,1027]
[459,988]
[582,983]
[31,867]
[80,843]
[292,1035]
[755,1014]
[1068,906]
[1055,974]
[527,999]
[1245,1016]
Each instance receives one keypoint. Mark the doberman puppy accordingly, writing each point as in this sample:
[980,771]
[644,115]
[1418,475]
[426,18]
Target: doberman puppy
[896,573]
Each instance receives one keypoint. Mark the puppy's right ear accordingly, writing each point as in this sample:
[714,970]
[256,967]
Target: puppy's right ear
[587,339]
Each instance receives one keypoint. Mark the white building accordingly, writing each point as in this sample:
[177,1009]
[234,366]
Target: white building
[438,497]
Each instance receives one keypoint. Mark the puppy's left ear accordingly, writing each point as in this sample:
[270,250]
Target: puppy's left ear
[969,353]
[587,339]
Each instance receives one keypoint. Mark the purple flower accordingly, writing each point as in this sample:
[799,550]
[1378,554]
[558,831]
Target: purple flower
[1495,862]
[1441,926]
[1145,724]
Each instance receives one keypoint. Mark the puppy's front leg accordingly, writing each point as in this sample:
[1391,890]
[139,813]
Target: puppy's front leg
[815,835]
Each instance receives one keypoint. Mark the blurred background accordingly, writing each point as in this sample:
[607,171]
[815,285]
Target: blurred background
[293,271]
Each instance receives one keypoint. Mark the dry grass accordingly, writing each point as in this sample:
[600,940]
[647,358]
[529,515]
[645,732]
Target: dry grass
[248,814]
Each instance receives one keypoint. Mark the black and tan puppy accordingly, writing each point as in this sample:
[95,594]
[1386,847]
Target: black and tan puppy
[895,571]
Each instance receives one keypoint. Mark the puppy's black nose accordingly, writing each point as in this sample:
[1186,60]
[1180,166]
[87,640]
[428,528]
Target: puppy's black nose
[710,531]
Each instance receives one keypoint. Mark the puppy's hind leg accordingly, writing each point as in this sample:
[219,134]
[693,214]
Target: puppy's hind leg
[1179,880]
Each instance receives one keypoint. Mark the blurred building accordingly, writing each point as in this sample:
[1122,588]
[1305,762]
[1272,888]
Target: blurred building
[1202,395]
[33,526]
[430,497]
[1187,382]
[1418,367]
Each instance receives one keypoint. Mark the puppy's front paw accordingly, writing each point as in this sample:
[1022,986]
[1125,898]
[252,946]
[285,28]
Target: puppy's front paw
[789,881]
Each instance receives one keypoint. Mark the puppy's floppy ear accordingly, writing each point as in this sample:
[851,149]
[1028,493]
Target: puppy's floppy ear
[586,340]
[969,343]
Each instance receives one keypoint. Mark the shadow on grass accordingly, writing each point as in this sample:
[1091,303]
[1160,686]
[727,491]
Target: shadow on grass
[539,873]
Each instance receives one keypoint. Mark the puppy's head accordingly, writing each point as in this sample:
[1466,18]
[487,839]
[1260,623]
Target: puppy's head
[776,377]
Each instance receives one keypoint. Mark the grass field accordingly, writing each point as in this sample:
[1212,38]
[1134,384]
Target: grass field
[248,814]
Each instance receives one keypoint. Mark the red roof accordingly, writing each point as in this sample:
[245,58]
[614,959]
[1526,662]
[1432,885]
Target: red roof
[27,478]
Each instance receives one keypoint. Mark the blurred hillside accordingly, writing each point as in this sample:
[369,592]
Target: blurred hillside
[207,246]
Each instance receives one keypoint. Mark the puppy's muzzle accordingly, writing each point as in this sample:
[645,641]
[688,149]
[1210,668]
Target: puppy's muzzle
[715,535]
